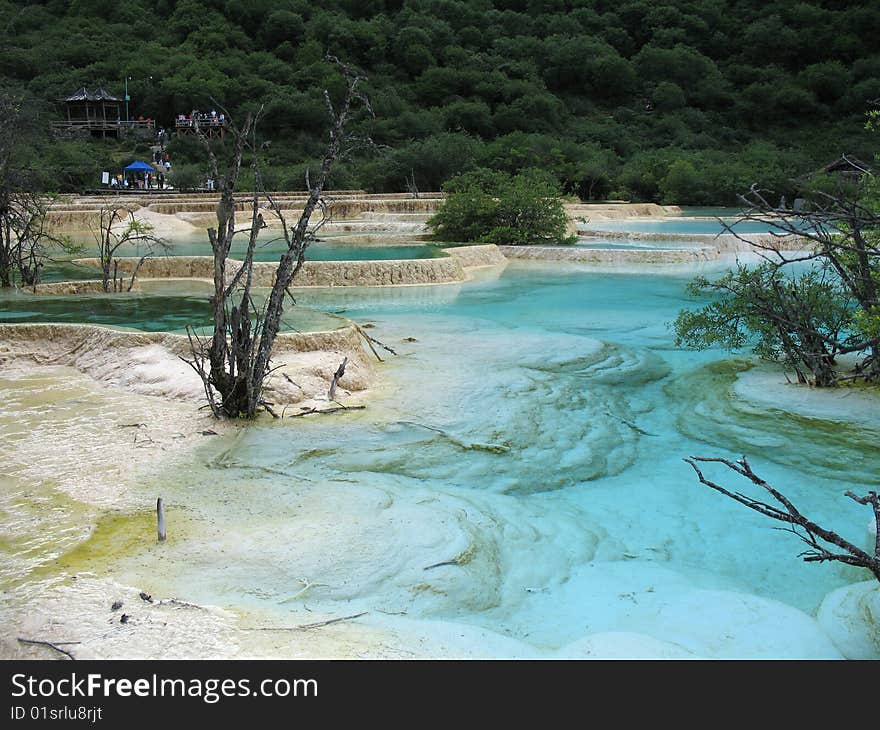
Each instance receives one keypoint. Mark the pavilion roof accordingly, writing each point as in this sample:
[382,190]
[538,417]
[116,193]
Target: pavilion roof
[99,94]
[847,163]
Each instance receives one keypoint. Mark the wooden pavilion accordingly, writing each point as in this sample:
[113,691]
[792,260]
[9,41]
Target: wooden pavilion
[98,113]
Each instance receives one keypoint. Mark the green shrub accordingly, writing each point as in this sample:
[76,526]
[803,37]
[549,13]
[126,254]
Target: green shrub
[186,177]
[489,206]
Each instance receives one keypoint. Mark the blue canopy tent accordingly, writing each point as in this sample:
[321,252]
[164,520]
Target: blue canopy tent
[139,168]
[140,165]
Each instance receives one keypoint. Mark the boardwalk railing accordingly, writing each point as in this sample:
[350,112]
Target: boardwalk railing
[104,125]
[203,122]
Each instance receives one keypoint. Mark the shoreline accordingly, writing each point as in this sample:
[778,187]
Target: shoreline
[154,420]
[149,363]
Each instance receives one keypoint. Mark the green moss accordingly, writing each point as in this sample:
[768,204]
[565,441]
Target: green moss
[116,534]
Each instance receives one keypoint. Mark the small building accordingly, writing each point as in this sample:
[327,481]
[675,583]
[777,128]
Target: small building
[848,168]
[97,113]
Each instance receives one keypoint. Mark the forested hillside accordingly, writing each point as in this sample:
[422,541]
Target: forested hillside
[668,100]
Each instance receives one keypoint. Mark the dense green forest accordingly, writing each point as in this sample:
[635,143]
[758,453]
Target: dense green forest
[685,101]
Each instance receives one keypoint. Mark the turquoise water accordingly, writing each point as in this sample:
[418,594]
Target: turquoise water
[270,248]
[327,251]
[705,211]
[535,428]
[162,308]
[61,270]
[146,313]
[680,225]
[64,270]
[692,220]
[616,243]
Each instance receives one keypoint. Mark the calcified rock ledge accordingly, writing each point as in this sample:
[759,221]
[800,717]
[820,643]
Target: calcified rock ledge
[449,269]
[351,212]
[81,286]
[850,615]
[453,268]
[618,211]
[181,212]
[312,274]
[703,248]
[721,242]
[149,363]
[607,256]
[475,256]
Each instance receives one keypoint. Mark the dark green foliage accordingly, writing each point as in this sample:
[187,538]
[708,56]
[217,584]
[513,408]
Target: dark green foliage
[806,308]
[187,177]
[796,320]
[664,96]
[488,206]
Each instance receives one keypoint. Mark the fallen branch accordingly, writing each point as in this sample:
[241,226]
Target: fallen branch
[268,407]
[177,602]
[290,380]
[633,426]
[801,526]
[310,411]
[454,561]
[51,645]
[306,586]
[304,627]
[371,340]
[160,519]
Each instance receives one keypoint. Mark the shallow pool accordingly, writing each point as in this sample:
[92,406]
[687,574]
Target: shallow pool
[692,221]
[542,417]
[270,247]
[163,307]
[679,225]
[521,474]
[630,245]
[62,268]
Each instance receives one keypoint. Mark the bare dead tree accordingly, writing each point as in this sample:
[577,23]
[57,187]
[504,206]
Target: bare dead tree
[817,537]
[337,376]
[117,227]
[234,364]
[411,186]
[12,181]
[25,239]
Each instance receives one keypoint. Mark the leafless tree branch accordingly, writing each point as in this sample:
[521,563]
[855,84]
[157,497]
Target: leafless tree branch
[813,534]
